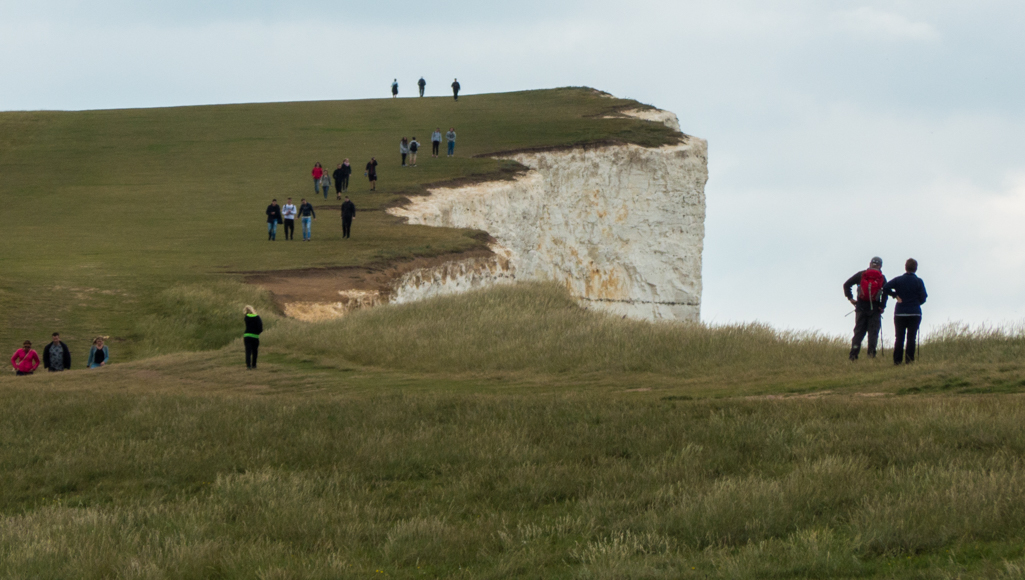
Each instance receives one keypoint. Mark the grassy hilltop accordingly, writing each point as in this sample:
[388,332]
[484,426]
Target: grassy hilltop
[112,208]
[500,434]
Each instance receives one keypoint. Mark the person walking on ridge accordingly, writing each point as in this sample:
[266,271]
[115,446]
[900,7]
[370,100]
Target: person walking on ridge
[318,172]
[371,173]
[251,337]
[25,360]
[455,89]
[307,214]
[56,355]
[869,306]
[421,83]
[348,212]
[435,142]
[414,146]
[273,219]
[337,175]
[325,183]
[909,290]
[395,88]
[346,172]
[99,355]
[288,212]
[404,150]
[451,137]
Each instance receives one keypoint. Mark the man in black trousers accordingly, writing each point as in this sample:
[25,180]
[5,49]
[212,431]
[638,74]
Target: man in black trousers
[907,317]
[868,307]
[348,212]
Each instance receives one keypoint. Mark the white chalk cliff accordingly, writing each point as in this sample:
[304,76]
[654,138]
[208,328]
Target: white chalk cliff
[622,227]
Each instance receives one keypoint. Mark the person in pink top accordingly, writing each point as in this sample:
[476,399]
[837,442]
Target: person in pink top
[318,172]
[25,360]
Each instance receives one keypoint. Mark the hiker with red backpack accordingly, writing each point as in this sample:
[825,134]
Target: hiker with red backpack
[868,307]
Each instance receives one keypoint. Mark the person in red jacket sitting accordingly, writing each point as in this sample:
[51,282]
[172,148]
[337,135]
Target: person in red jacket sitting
[25,360]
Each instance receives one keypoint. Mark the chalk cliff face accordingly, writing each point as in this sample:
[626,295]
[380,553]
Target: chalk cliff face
[622,227]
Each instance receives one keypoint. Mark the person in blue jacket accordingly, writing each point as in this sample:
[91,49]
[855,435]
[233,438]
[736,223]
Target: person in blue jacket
[99,355]
[909,291]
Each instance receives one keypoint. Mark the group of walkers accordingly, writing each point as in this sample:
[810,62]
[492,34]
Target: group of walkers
[422,84]
[408,148]
[56,356]
[322,179]
[286,215]
[873,292]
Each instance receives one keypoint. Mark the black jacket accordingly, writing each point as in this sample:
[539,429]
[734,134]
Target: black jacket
[253,325]
[348,210]
[66,357]
[862,304]
[911,291]
[274,213]
[372,167]
[306,210]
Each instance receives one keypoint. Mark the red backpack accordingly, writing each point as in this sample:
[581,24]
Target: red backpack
[871,286]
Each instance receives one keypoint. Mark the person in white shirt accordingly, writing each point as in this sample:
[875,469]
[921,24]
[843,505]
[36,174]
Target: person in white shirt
[288,214]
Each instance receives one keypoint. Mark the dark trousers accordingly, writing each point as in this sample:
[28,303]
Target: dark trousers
[403,159]
[455,95]
[252,348]
[421,91]
[344,183]
[346,226]
[905,325]
[435,146]
[866,321]
[289,229]
[338,185]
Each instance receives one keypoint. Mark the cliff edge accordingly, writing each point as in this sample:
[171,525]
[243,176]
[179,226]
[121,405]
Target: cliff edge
[621,226]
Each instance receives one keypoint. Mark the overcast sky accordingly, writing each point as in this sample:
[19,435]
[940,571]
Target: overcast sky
[837,130]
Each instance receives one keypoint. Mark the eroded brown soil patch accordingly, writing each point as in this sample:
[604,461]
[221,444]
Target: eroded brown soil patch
[324,284]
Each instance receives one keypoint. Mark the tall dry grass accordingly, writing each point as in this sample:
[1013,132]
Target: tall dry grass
[539,327]
[490,487]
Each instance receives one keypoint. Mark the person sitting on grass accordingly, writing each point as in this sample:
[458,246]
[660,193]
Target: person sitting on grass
[98,354]
[25,360]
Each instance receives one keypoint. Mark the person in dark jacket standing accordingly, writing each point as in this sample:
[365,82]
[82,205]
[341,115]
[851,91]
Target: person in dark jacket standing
[395,88]
[455,89]
[348,212]
[346,172]
[907,316]
[338,173]
[307,215]
[421,83]
[868,310]
[251,337]
[56,356]
[273,219]
[371,173]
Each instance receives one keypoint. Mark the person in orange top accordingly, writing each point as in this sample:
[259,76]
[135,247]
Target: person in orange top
[25,360]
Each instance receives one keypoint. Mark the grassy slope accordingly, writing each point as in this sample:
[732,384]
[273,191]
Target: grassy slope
[112,207]
[499,434]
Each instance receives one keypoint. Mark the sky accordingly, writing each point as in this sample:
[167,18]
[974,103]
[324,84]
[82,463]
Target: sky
[837,130]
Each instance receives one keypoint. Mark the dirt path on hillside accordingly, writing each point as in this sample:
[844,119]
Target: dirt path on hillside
[324,285]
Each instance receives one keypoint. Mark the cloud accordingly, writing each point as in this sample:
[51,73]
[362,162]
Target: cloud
[881,23]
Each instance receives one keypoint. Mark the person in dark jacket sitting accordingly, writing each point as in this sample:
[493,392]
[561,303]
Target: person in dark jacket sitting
[868,312]
[56,356]
[907,317]
[251,338]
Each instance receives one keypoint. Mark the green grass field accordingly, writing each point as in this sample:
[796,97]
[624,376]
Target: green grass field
[500,434]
